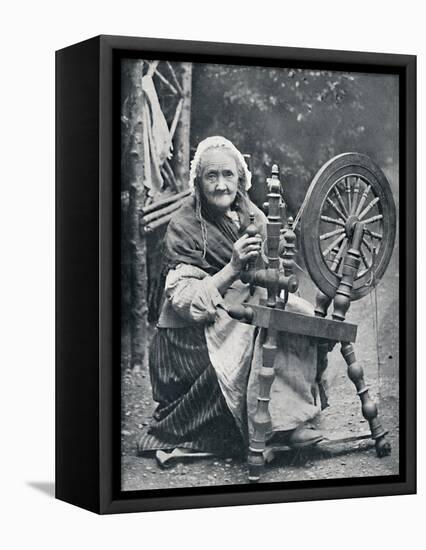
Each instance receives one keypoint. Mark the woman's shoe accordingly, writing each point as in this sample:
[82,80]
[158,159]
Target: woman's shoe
[304,436]
[166,459]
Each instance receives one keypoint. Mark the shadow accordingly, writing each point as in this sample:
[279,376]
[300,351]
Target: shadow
[299,457]
[46,487]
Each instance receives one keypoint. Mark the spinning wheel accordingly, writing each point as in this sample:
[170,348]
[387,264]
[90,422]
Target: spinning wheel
[348,233]
[349,188]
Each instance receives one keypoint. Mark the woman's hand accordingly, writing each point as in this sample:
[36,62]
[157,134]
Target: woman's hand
[246,248]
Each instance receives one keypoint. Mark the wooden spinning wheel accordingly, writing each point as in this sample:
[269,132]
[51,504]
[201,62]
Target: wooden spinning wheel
[347,233]
[349,188]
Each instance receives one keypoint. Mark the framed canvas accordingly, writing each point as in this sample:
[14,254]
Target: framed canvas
[235,281]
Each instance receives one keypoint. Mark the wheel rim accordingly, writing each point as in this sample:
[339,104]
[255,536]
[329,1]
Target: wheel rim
[348,188]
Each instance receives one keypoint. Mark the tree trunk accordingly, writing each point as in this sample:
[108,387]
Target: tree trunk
[137,197]
[181,145]
[125,282]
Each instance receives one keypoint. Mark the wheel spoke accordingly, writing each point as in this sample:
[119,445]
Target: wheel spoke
[333,244]
[355,198]
[373,219]
[368,208]
[349,201]
[340,200]
[338,257]
[367,245]
[331,234]
[374,234]
[348,193]
[332,220]
[336,209]
[362,200]
[364,259]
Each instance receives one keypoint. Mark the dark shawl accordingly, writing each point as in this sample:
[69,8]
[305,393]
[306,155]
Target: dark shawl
[183,242]
[184,239]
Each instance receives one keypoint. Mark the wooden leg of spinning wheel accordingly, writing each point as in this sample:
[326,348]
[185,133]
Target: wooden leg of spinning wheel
[369,408]
[262,418]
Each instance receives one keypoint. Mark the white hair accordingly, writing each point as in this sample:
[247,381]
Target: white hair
[218,142]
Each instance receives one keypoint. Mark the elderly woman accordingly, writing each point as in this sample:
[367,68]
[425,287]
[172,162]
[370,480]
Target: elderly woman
[203,364]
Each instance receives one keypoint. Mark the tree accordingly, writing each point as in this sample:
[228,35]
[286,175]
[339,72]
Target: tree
[298,118]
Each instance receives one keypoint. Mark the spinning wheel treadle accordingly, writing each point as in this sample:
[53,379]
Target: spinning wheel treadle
[349,188]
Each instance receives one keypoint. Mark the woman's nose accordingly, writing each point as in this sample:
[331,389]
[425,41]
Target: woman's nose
[221,184]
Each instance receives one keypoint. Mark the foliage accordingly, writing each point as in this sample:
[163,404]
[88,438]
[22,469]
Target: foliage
[298,118]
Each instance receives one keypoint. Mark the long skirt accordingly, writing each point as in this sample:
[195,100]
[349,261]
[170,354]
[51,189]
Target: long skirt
[192,411]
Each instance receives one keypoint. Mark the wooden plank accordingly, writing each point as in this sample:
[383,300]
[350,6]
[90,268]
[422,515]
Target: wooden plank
[296,323]
[163,202]
[145,220]
[326,444]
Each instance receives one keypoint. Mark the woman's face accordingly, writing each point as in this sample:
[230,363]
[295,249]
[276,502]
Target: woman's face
[219,178]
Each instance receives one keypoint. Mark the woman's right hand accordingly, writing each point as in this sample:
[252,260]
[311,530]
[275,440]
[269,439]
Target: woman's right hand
[246,248]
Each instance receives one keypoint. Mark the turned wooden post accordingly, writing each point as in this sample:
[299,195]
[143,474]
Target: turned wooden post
[262,418]
[342,302]
[289,248]
[273,235]
[251,231]
[368,407]
[342,299]
[322,303]
[289,252]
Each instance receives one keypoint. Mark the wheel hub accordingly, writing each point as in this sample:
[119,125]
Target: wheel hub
[350,225]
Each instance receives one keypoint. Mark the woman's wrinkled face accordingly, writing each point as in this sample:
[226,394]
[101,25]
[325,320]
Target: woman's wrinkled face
[219,178]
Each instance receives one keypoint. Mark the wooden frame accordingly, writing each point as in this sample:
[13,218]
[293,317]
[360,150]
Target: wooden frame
[87,283]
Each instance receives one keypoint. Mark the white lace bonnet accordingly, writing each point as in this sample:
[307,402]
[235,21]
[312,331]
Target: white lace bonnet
[217,141]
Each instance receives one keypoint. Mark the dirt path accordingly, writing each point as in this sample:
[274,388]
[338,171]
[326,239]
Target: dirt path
[342,417]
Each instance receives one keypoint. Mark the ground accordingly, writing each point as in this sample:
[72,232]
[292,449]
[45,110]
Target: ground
[378,353]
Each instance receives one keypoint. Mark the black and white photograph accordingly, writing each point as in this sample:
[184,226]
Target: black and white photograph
[212,294]
[259,277]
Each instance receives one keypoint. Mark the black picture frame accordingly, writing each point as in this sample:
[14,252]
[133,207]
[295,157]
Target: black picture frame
[87,275]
